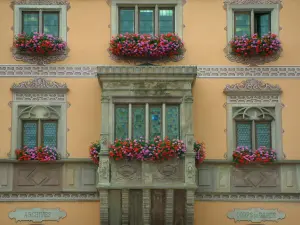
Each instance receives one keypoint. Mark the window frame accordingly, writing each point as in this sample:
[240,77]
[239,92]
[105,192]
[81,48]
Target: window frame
[231,8]
[61,9]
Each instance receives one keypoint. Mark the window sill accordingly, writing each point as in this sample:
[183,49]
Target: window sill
[40,59]
[71,160]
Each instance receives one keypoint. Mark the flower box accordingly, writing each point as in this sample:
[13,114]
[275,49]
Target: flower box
[42,154]
[141,46]
[265,46]
[243,155]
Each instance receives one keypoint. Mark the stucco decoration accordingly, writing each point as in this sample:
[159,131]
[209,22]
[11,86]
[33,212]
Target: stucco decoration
[110,1]
[252,85]
[39,83]
[256,215]
[37,215]
[39,59]
[246,2]
[40,2]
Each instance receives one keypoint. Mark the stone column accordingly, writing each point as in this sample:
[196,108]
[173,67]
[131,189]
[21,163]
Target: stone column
[190,201]
[146,206]
[125,206]
[169,206]
[104,220]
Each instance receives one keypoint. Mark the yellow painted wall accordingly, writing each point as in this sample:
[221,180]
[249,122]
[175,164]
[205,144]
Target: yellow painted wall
[78,213]
[83,116]
[215,213]
[204,33]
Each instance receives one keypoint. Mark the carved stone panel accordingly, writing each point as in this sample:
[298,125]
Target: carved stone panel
[135,207]
[179,207]
[158,205]
[126,171]
[5,177]
[37,177]
[288,178]
[206,178]
[168,172]
[256,178]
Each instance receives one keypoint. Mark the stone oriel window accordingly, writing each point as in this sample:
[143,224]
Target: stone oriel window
[254,116]
[147,120]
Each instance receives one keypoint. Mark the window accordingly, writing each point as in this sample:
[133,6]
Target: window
[40,21]
[48,19]
[39,132]
[249,22]
[147,120]
[146,20]
[244,19]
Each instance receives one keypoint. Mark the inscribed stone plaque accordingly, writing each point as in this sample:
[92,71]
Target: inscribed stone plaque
[37,214]
[256,215]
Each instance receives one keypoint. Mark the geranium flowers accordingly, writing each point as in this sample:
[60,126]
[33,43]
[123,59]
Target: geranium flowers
[146,46]
[245,46]
[39,44]
[40,153]
[243,155]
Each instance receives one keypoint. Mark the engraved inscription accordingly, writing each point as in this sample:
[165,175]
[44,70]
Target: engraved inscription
[256,215]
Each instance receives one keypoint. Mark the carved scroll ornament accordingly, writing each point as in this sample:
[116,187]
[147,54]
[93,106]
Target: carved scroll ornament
[39,83]
[40,2]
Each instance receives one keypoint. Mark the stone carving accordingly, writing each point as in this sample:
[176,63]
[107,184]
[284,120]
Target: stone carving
[168,171]
[103,169]
[190,201]
[256,215]
[39,59]
[169,206]
[146,206]
[54,197]
[124,171]
[48,70]
[39,83]
[104,216]
[40,2]
[37,215]
[252,85]
[53,97]
[190,171]
[105,99]
[125,206]
[246,2]
[253,99]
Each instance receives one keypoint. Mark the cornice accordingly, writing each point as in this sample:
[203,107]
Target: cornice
[248,197]
[49,197]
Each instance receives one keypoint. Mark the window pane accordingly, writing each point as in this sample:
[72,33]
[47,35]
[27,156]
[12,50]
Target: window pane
[263,134]
[51,23]
[138,120]
[243,134]
[263,23]
[242,23]
[166,21]
[126,23]
[50,134]
[146,23]
[121,122]
[30,129]
[172,122]
[30,22]
[155,122]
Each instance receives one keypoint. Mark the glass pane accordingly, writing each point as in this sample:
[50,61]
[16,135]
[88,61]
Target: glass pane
[30,22]
[242,24]
[121,122]
[263,134]
[51,23]
[166,21]
[262,24]
[155,122]
[172,122]
[146,23]
[30,134]
[50,134]
[138,120]
[126,23]
[243,134]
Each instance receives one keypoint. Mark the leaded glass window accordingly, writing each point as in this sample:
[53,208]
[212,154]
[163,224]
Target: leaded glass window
[263,134]
[40,21]
[39,132]
[147,120]
[244,134]
[153,20]
[249,22]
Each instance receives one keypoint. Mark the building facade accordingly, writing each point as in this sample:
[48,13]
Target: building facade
[85,94]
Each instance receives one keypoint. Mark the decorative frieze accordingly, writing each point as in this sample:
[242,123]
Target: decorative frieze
[40,2]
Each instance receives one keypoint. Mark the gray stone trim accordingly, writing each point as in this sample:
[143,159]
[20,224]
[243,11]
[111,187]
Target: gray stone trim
[40,2]
[169,207]
[246,197]
[190,201]
[146,206]
[49,197]
[125,206]
[104,214]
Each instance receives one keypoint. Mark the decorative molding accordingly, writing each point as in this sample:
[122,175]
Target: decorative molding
[52,197]
[253,99]
[87,71]
[250,86]
[40,97]
[39,83]
[39,59]
[182,1]
[256,215]
[40,2]
[37,214]
[252,2]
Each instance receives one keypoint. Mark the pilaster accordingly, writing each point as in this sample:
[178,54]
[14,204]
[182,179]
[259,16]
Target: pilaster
[125,206]
[146,206]
[104,207]
[169,206]
[190,201]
